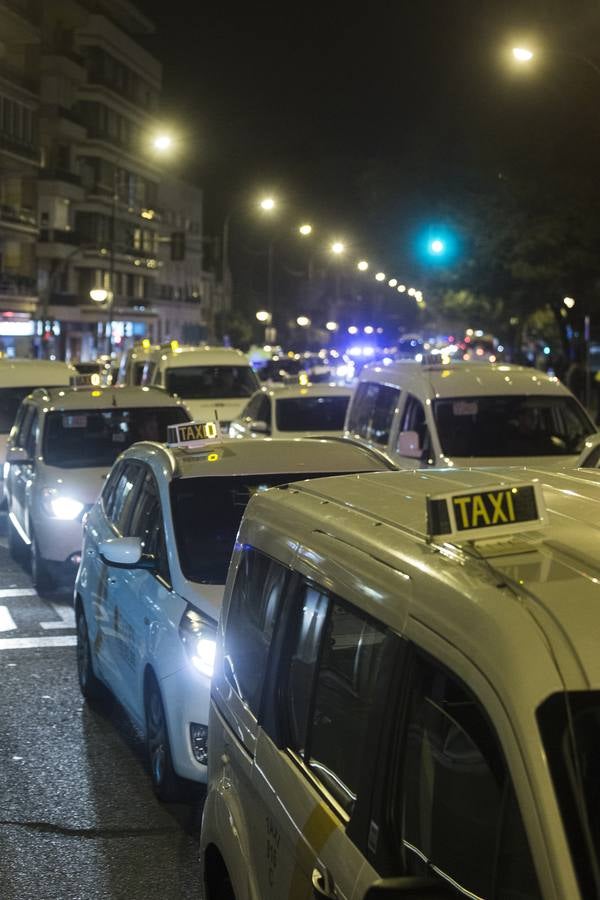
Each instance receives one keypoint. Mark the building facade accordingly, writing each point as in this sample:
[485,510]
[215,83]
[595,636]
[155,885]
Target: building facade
[80,188]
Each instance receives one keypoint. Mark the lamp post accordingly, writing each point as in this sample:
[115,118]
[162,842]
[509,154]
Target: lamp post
[101,295]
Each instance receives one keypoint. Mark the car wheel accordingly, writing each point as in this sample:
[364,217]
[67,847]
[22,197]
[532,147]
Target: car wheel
[91,687]
[165,781]
[40,575]
[16,547]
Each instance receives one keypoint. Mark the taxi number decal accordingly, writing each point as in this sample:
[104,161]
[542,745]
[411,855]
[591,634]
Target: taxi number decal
[481,510]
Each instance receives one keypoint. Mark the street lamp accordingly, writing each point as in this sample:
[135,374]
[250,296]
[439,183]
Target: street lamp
[338,247]
[101,295]
[522,54]
[268,204]
[362,265]
[380,276]
[305,230]
[569,302]
[162,142]
[303,321]
[332,326]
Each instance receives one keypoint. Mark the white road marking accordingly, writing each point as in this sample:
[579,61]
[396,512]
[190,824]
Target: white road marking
[65,640]
[7,623]
[17,592]
[66,615]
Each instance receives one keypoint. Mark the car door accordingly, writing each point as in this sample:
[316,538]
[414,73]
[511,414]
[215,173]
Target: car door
[413,444]
[141,603]
[22,475]
[311,779]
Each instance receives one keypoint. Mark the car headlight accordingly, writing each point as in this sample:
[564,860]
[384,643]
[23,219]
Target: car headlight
[199,636]
[60,507]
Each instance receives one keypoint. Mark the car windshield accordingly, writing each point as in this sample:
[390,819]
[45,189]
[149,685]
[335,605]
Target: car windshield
[95,437]
[10,399]
[570,726]
[511,425]
[207,513]
[311,413]
[197,382]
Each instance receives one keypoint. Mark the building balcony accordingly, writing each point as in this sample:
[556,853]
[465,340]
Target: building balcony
[28,152]
[59,236]
[20,216]
[17,285]
[57,174]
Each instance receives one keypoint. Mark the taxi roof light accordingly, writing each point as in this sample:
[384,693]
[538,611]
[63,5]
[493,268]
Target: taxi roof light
[498,511]
[193,434]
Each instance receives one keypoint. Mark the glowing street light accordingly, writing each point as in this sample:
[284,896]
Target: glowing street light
[332,326]
[352,329]
[162,142]
[368,329]
[401,288]
[99,295]
[268,204]
[569,302]
[263,316]
[393,282]
[522,54]
[303,321]
[411,292]
[362,266]
[337,247]
[305,229]
[380,276]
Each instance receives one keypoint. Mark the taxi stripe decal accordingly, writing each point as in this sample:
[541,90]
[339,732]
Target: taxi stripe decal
[317,830]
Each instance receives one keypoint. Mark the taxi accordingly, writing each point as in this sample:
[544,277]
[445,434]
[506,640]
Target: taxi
[294,411]
[156,550]
[60,450]
[406,695]
[467,414]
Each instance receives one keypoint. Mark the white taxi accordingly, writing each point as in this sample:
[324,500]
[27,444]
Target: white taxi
[463,414]
[294,411]
[406,695]
[156,550]
[59,452]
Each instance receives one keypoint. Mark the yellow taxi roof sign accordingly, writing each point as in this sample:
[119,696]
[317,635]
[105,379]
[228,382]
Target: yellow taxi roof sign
[486,513]
[193,434]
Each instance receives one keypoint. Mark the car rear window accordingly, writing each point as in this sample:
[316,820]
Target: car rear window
[214,382]
[311,413]
[80,438]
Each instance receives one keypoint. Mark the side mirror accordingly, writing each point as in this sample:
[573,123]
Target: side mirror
[126,553]
[409,445]
[260,427]
[18,455]
[409,888]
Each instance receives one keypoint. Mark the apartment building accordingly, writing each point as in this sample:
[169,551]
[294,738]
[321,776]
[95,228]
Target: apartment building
[20,161]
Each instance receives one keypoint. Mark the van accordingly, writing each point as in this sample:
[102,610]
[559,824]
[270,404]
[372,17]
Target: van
[212,380]
[406,693]
[467,414]
[18,377]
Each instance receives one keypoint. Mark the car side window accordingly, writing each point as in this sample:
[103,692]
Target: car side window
[17,427]
[346,690]
[457,805]
[251,623]
[413,419]
[372,411]
[252,408]
[124,494]
[264,410]
[31,436]
[23,429]
[109,489]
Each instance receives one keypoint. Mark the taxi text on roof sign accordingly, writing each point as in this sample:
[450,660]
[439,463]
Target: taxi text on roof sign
[491,512]
[193,434]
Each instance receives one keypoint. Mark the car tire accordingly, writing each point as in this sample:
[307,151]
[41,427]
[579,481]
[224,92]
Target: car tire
[40,574]
[91,687]
[166,783]
[16,547]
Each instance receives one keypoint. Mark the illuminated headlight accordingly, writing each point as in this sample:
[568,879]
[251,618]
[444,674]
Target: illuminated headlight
[199,636]
[60,507]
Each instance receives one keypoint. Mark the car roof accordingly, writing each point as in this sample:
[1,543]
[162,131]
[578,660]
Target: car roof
[205,356]
[119,397]
[309,390]
[263,456]
[459,379]
[34,372]
[522,605]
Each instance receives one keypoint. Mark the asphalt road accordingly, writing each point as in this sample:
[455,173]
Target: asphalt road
[78,818]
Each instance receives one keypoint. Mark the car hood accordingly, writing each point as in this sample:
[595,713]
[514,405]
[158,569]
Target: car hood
[79,484]
[207,598]
[203,410]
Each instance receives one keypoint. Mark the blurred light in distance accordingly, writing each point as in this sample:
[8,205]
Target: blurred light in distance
[411,292]
[332,326]
[352,329]
[437,246]
[368,329]
[363,265]
[380,276]
[338,247]
[303,321]
[569,302]
[393,282]
[522,54]
[401,288]
[547,351]
[267,203]
[162,142]
[305,229]
[263,316]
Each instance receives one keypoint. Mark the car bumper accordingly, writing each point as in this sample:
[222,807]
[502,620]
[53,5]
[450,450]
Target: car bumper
[186,699]
[59,540]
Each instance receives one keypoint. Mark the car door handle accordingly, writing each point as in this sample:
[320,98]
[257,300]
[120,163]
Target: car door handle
[112,580]
[322,885]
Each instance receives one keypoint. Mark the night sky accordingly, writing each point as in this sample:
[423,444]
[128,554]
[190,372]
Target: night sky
[309,99]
